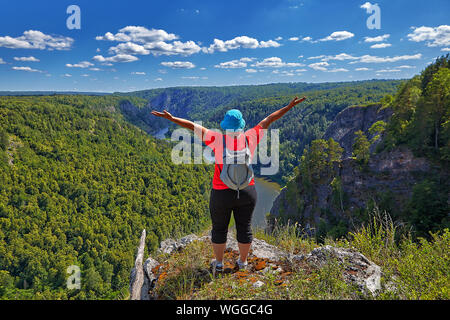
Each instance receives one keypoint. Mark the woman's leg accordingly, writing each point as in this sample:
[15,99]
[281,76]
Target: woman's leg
[220,218]
[243,217]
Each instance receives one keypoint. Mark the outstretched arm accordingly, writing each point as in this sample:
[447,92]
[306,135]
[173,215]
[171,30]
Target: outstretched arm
[279,113]
[198,129]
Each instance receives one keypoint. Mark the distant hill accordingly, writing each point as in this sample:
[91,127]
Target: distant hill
[48,93]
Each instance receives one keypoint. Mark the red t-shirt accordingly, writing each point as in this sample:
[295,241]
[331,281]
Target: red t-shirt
[213,139]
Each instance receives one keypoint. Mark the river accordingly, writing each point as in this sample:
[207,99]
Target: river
[267,192]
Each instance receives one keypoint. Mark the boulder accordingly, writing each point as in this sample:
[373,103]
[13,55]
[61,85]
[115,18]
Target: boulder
[357,268]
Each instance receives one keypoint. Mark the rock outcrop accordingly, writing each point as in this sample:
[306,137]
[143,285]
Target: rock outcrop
[264,257]
[389,176]
[352,119]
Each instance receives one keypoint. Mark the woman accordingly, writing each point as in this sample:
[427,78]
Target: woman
[223,200]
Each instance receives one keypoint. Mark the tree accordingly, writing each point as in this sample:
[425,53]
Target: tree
[361,146]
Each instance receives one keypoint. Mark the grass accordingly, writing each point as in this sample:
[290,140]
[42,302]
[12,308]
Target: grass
[411,269]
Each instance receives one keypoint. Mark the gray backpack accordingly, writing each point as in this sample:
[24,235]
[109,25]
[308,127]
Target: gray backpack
[237,171]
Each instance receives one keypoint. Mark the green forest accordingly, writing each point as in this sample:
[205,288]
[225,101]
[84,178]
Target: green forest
[77,186]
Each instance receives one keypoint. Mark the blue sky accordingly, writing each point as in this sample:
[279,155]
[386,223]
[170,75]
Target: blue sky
[135,45]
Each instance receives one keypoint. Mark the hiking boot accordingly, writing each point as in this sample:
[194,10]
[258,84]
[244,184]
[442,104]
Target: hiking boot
[216,266]
[241,265]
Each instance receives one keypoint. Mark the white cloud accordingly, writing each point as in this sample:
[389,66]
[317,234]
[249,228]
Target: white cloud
[27,59]
[320,66]
[294,39]
[2,61]
[366,6]
[375,59]
[316,57]
[269,44]
[239,42]
[275,62]
[445,49]
[178,64]
[116,58]
[307,39]
[33,39]
[278,38]
[435,37]
[380,45]
[28,69]
[339,57]
[233,64]
[138,73]
[405,67]
[377,39]
[251,70]
[190,77]
[129,48]
[138,40]
[362,69]
[138,34]
[95,69]
[67,75]
[338,36]
[388,70]
[338,70]
[158,79]
[82,64]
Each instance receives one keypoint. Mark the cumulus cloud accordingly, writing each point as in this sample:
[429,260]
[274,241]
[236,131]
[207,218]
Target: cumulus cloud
[178,64]
[138,34]
[34,39]
[238,42]
[138,40]
[434,37]
[138,73]
[377,39]
[307,39]
[275,62]
[27,59]
[116,58]
[362,69]
[338,70]
[233,64]
[380,45]
[445,49]
[319,66]
[358,59]
[294,39]
[338,36]
[82,64]
[375,59]
[27,69]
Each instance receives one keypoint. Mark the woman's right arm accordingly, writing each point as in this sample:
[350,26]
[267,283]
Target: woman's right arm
[199,130]
[279,113]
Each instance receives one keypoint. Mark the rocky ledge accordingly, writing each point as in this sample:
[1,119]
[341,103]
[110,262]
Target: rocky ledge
[357,269]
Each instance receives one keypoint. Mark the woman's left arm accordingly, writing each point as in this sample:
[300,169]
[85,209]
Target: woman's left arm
[199,130]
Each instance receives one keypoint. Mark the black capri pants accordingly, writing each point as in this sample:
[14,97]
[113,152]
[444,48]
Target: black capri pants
[222,203]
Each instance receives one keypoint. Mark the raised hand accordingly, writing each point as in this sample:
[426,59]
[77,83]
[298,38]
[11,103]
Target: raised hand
[165,114]
[296,101]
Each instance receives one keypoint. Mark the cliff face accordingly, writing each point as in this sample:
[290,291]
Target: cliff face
[352,119]
[389,177]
